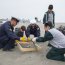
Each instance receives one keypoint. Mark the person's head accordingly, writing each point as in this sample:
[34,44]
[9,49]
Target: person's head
[23,28]
[50,8]
[14,21]
[47,26]
[36,18]
[33,25]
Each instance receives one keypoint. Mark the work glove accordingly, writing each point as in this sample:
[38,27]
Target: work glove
[23,39]
[17,41]
[34,39]
[28,39]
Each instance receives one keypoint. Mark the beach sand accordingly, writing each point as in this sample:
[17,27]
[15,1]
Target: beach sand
[16,57]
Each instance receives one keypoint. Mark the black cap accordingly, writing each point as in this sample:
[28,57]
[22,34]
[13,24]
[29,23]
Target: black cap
[13,18]
[50,7]
[48,24]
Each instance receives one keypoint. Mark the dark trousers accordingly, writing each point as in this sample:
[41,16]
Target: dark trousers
[56,54]
[7,44]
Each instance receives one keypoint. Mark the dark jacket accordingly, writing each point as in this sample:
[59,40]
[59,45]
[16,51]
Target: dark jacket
[45,18]
[6,32]
[48,36]
[36,30]
[20,34]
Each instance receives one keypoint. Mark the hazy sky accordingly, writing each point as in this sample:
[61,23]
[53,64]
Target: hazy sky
[31,8]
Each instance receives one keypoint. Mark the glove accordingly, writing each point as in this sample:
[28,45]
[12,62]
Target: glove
[23,39]
[34,39]
[28,39]
[17,41]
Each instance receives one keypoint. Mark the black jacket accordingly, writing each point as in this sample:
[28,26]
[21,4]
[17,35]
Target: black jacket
[20,34]
[48,36]
[30,30]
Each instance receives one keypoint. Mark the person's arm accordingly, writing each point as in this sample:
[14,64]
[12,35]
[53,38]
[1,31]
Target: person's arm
[54,19]
[48,36]
[38,30]
[9,33]
[44,19]
[28,31]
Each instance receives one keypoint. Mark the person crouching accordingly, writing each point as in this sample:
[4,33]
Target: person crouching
[56,39]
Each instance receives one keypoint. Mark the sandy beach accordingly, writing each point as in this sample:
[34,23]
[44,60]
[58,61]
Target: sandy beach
[16,57]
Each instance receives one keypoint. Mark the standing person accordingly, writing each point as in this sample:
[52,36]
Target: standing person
[7,35]
[56,39]
[49,16]
[37,20]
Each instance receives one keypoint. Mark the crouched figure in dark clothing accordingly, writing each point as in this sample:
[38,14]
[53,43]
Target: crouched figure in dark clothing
[7,35]
[22,31]
[33,29]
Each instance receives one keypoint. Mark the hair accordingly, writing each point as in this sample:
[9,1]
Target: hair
[50,7]
[48,24]
[23,28]
[35,17]
[15,19]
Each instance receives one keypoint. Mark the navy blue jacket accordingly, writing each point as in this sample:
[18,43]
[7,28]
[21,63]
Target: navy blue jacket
[6,32]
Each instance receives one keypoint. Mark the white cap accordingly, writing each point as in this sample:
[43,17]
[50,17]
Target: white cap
[33,21]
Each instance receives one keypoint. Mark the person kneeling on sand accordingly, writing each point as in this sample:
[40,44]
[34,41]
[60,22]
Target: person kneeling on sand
[56,39]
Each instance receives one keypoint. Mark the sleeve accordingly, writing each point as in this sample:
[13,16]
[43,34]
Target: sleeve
[54,18]
[9,33]
[20,34]
[28,31]
[44,19]
[38,31]
[48,36]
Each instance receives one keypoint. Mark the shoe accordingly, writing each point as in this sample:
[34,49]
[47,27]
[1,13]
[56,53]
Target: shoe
[7,49]
[49,45]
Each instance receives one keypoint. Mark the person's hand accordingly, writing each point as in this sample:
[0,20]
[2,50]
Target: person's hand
[28,39]
[34,39]
[17,41]
[21,38]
